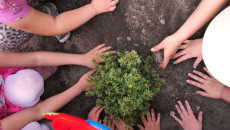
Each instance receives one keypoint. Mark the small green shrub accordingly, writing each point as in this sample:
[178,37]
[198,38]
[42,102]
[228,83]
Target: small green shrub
[124,85]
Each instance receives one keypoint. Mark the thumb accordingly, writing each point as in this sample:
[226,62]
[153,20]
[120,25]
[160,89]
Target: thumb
[200,117]
[157,47]
[197,62]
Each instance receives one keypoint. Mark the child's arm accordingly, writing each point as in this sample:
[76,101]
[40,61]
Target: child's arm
[204,12]
[52,104]
[45,24]
[32,59]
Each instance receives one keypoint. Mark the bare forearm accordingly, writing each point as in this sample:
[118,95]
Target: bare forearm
[225,94]
[56,102]
[52,104]
[32,59]
[45,24]
[70,20]
[204,12]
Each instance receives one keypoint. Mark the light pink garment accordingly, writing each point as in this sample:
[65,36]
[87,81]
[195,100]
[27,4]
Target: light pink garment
[6,108]
[13,10]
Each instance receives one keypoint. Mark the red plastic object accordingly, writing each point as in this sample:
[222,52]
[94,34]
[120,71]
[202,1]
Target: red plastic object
[63,121]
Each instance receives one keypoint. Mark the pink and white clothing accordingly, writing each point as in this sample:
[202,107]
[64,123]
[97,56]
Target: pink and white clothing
[13,10]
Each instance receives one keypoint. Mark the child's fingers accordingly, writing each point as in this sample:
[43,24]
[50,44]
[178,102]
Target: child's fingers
[105,121]
[158,118]
[199,85]
[157,47]
[148,116]
[165,62]
[184,111]
[182,58]
[177,119]
[179,111]
[190,112]
[99,110]
[113,126]
[104,49]
[140,127]
[144,120]
[178,54]
[196,78]
[187,41]
[197,62]
[112,8]
[114,2]
[97,114]
[99,46]
[208,71]
[91,113]
[202,93]
[201,74]
[183,46]
[153,115]
[109,52]
[200,117]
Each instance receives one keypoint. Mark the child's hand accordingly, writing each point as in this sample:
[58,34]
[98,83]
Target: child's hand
[191,48]
[170,45]
[83,81]
[94,114]
[210,85]
[109,124]
[95,54]
[121,125]
[102,6]
[188,120]
[151,123]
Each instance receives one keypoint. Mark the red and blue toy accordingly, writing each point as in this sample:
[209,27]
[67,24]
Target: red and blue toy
[61,121]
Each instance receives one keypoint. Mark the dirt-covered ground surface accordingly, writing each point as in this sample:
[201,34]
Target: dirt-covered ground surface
[135,25]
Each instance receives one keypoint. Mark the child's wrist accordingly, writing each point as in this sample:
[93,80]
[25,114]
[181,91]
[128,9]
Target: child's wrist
[85,60]
[94,9]
[221,92]
[80,86]
[179,37]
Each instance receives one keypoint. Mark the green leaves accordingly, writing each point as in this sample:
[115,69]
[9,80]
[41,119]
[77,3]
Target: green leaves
[125,85]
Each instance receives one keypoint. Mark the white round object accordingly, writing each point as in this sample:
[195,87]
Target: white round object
[216,47]
[24,88]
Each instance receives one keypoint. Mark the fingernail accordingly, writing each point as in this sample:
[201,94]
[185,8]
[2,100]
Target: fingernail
[152,49]
[194,67]
[174,62]
[172,113]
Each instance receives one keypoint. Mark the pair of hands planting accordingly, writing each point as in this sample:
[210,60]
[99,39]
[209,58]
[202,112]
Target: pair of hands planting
[188,120]
[193,49]
[87,61]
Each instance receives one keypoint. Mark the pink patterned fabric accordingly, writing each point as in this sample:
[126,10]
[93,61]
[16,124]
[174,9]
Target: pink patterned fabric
[6,108]
[13,10]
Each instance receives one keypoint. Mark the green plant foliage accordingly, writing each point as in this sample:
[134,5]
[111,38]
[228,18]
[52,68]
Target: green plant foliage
[124,85]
